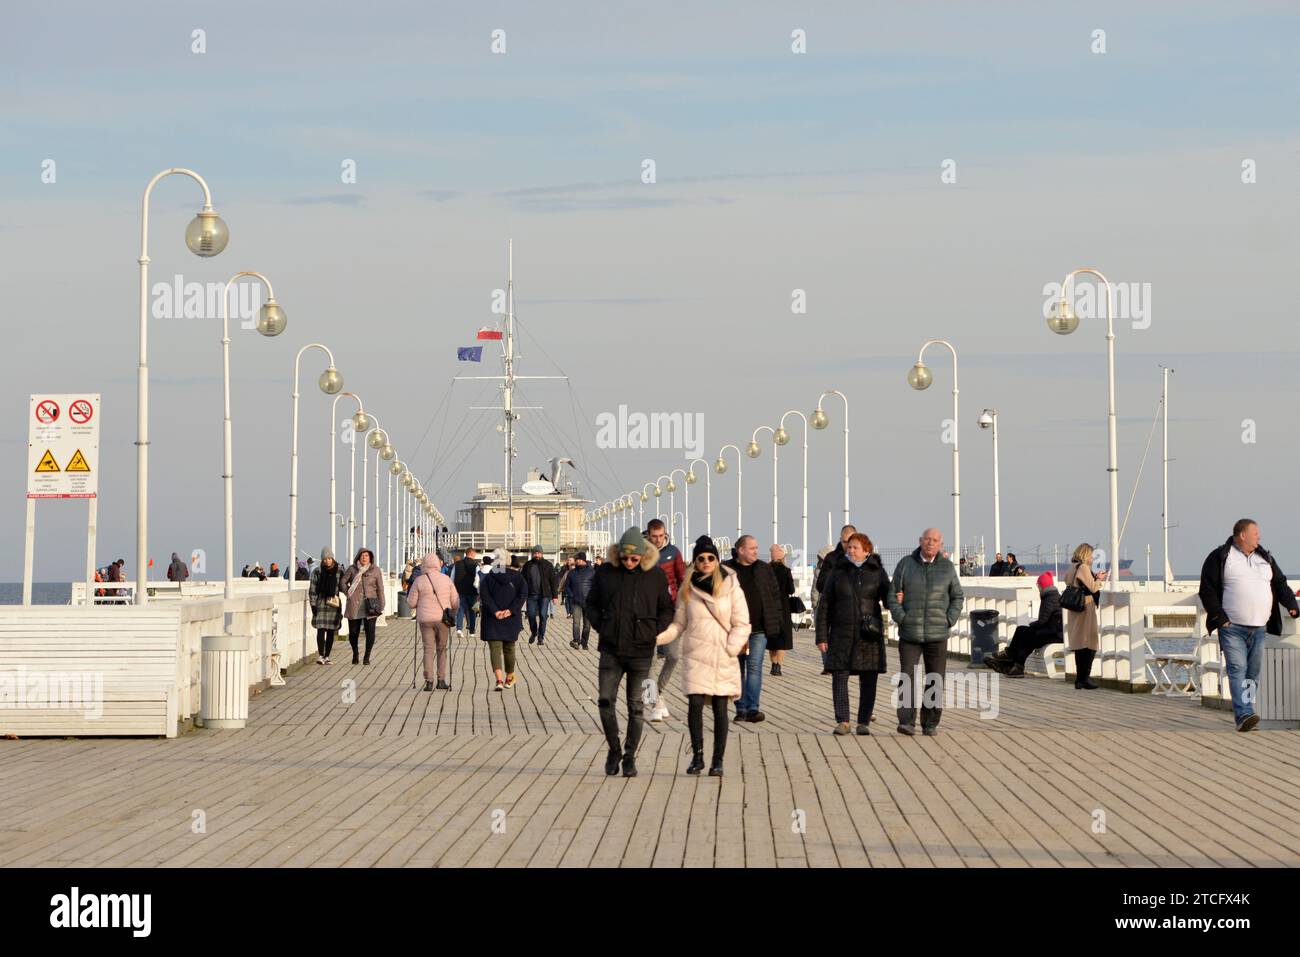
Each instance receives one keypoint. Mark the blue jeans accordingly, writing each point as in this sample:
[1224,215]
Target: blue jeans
[1243,653]
[539,607]
[751,674]
[465,611]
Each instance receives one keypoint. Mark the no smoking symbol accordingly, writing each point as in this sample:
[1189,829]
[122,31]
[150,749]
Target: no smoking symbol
[47,411]
[81,411]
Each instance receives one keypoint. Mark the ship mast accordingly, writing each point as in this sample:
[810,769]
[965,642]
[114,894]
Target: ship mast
[507,380]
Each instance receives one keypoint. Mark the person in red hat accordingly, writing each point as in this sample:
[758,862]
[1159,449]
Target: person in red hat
[1027,639]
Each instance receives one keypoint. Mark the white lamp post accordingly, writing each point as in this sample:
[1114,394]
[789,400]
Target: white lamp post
[270,322]
[820,421]
[362,422]
[989,420]
[686,506]
[720,467]
[920,378]
[644,498]
[336,520]
[753,451]
[1063,321]
[331,383]
[781,438]
[206,236]
[691,479]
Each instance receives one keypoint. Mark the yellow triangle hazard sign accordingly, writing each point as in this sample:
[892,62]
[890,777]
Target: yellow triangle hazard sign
[47,463]
[77,463]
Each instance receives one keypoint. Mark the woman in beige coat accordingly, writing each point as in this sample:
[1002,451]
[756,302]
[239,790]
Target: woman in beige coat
[1083,632]
[363,584]
[712,621]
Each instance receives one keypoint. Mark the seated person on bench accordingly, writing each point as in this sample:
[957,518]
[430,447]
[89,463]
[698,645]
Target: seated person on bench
[1029,638]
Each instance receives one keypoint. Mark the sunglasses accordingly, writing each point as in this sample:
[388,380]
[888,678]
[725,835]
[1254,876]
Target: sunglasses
[706,558]
[635,558]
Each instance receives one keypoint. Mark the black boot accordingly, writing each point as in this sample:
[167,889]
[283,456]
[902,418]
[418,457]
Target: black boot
[1083,663]
[715,769]
[629,765]
[697,762]
[428,686]
[612,761]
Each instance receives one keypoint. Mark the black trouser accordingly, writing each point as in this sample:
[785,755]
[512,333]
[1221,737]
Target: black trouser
[612,669]
[325,641]
[354,629]
[581,625]
[934,655]
[1083,664]
[840,694]
[1027,640]
[721,721]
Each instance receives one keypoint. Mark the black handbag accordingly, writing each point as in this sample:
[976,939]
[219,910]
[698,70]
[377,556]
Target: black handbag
[1074,598]
[797,606]
[372,607]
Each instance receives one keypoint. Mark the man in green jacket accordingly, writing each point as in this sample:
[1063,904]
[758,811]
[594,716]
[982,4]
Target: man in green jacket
[925,603]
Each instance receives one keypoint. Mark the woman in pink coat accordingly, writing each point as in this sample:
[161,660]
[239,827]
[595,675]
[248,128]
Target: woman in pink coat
[712,621]
[431,595]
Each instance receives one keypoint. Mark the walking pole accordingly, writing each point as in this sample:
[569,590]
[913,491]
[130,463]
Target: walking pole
[415,651]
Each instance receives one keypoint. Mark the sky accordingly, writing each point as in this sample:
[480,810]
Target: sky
[923,170]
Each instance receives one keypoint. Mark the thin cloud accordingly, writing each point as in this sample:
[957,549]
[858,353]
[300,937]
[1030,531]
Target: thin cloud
[353,200]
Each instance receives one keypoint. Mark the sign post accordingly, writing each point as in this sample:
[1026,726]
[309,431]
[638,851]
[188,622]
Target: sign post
[62,462]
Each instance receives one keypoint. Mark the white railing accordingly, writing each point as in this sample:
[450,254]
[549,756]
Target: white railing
[487,541]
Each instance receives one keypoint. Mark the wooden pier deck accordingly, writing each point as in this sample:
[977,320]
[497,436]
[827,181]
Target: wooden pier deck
[473,777]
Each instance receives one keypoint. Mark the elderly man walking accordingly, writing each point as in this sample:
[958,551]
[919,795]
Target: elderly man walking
[925,602]
[1241,588]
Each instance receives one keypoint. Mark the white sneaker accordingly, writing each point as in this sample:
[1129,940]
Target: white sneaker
[460,633]
[320,660]
[659,713]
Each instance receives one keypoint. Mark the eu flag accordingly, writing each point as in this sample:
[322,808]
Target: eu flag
[469,353]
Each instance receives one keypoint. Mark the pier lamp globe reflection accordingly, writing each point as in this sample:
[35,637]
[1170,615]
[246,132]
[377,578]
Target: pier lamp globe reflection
[395,468]
[331,381]
[388,453]
[752,450]
[782,437]
[658,492]
[672,486]
[271,319]
[377,439]
[1061,318]
[690,477]
[207,234]
[720,466]
[919,377]
[819,420]
[361,422]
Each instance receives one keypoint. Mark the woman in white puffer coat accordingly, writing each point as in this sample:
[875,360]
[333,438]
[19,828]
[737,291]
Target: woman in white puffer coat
[712,621]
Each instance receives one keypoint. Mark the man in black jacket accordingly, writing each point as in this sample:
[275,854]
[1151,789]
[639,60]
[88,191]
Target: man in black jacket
[763,596]
[1241,588]
[464,575]
[629,608]
[539,574]
[833,559]
[1047,630]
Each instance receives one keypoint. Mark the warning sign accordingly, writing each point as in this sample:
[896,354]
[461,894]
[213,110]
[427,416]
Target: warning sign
[63,450]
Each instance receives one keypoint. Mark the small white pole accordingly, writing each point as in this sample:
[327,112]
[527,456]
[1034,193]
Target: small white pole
[92,522]
[29,551]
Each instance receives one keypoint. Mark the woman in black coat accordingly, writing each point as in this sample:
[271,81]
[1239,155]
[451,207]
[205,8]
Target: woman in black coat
[501,596]
[779,644]
[851,628]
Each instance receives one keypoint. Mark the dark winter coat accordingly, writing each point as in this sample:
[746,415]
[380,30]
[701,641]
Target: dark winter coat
[501,591]
[1211,593]
[1049,614]
[850,596]
[828,563]
[784,639]
[629,609]
[577,583]
[932,598]
[545,572]
[763,597]
[324,585]
[465,576]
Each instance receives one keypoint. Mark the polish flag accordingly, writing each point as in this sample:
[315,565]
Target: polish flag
[485,333]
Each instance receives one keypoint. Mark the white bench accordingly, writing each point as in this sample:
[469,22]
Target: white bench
[81,671]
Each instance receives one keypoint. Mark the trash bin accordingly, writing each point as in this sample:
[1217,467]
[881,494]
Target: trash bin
[223,681]
[983,634]
[403,606]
